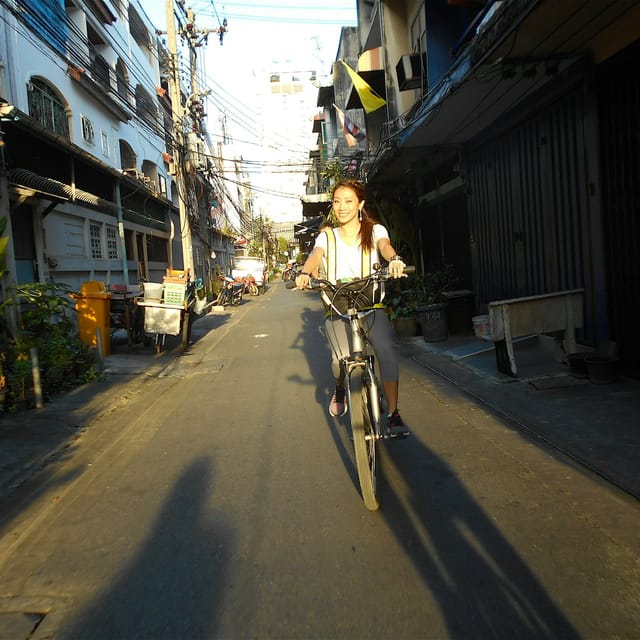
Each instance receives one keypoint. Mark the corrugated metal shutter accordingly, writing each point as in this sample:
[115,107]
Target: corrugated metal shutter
[619,109]
[528,207]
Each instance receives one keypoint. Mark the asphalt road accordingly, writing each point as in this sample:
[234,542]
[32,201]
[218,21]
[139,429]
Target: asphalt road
[221,502]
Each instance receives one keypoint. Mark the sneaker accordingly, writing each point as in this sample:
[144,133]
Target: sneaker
[338,404]
[397,428]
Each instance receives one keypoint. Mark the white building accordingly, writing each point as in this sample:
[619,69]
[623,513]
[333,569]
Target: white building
[286,101]
[88,147]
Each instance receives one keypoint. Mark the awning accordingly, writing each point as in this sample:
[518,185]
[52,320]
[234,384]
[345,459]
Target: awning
[316,204]
[326,96]
[371,60]
[308,227]
[49,189]
[30,185]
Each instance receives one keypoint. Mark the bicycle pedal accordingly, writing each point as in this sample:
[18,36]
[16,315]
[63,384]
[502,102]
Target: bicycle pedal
[399,435]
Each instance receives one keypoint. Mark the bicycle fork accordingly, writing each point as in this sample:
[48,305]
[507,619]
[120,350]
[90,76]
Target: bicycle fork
[371,391]
[371,387]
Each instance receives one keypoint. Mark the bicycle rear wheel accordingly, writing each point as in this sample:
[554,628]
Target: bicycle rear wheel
[364,440]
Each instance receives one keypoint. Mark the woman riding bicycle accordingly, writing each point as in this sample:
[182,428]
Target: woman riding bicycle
[355,245]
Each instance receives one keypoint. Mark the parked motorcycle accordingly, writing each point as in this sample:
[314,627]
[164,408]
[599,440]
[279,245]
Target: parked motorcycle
[231,291]
[290,272]
[250,285]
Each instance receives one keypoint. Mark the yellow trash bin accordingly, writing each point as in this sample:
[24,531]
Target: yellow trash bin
[93,305]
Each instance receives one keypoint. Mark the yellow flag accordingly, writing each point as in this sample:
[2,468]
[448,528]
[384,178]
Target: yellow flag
[371,101]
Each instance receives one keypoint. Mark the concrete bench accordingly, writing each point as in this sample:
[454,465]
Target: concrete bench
[558,314]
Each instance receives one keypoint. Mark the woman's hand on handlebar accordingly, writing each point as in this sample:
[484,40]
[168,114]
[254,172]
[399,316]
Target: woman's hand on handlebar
[303,281]
[396,268]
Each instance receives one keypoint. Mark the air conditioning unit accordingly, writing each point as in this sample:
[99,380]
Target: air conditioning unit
[411,71]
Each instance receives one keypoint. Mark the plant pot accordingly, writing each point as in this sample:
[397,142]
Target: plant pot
[601,369]
[577,364]
[406,327]
[433,318]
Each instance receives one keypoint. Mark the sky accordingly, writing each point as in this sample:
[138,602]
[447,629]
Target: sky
[299,35]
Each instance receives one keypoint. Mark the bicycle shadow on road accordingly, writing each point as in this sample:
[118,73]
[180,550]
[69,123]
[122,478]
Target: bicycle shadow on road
[482,585]
[313,343]
[171,587]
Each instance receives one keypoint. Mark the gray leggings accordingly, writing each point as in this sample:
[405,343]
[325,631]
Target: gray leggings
[380,334]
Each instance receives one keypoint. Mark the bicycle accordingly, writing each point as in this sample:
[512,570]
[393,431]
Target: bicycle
[365,395]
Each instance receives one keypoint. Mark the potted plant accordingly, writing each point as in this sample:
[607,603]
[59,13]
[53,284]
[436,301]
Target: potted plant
[402,305]
[433,312]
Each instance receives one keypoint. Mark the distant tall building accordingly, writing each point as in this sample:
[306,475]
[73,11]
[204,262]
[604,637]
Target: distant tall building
[286,102]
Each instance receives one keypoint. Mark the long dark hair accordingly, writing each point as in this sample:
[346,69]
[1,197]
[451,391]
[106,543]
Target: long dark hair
[366,220]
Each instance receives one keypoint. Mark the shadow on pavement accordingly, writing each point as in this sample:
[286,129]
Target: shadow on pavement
[313,343]
[483,587]
[172,587]
[31,440]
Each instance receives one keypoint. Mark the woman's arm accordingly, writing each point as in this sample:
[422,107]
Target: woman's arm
[313,262]
[396,263]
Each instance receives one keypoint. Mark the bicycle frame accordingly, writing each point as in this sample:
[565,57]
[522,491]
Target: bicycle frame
[364,391]
[360,358]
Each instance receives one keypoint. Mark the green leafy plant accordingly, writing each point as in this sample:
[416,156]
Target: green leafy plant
[403,297]
[434,283]
[332,172]
[45,324]
[406,295]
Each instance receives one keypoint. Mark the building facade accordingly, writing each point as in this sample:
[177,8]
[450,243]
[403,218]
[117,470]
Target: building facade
[91,141]
[508,147]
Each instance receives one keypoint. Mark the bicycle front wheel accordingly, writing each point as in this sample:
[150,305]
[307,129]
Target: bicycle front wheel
[364,439]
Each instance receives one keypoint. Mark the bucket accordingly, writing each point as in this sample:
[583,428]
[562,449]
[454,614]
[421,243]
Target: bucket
[602,369]
[482,327]
[153,291]
[578,364]
[433,319]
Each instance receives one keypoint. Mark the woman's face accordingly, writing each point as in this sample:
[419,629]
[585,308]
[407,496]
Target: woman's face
[345,205]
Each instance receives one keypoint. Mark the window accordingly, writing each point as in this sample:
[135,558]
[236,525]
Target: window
[104,142]
[122,80]
[112,243]
[138,29]
[157,249]
[48,19]
[47,108]
[99,69]
[95,237]
[73,234]
[145,106]
[87,130]
[128,158]
[419,31]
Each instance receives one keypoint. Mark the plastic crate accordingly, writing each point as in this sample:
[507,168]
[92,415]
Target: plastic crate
[174,293]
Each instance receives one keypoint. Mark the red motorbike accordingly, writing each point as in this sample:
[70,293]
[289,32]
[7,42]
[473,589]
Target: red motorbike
[250,285]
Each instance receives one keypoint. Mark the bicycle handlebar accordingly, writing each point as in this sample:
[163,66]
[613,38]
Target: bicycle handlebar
[380,274]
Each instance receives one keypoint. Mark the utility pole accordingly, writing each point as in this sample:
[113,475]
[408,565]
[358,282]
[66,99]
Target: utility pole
[195,38]
[178,136]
